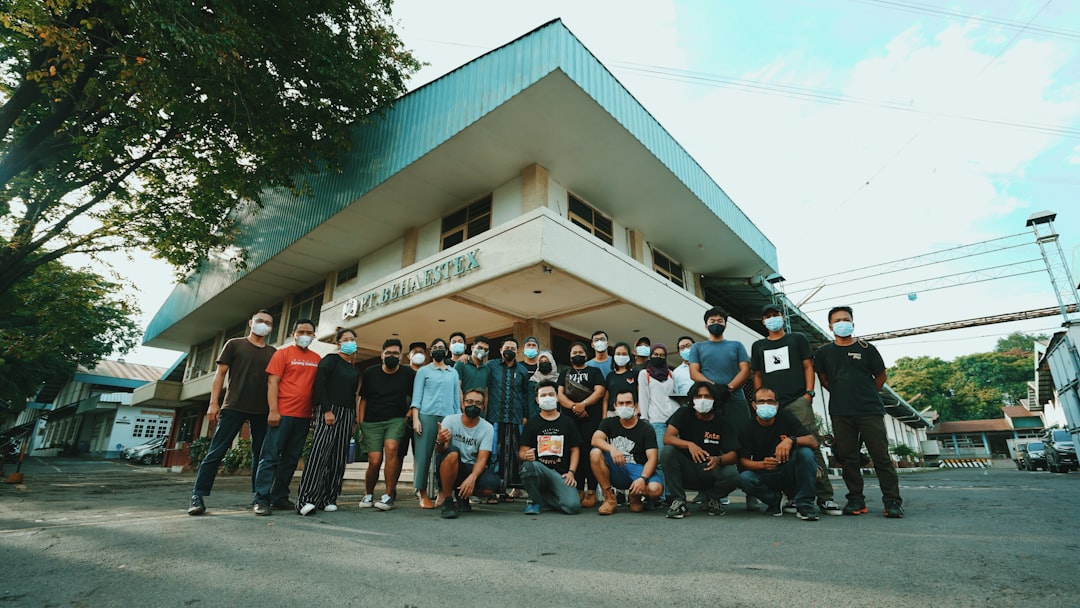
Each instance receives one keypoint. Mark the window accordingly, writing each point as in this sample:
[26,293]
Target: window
[236,331]
[202,360]
[466,222]
[668,268]
[306,305]
[347,274]
[590,220]
[137,431]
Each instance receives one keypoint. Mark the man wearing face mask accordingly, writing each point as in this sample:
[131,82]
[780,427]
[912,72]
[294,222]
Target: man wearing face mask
[600,360]
[474,371]
[384,401]
[508,388]
[682,372]
[776,456]
[854,373]
[290,392]
[549,453]
[464,446]
[457,347]
[531,352]
[624,455]
[416,359]
[699,453]
[243,361]
[642,349]
[784,362]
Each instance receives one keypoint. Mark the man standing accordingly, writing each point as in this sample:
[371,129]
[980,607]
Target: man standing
[464,447]
[699,453]
[600,360]
[853,372]
[473,370]
[508,388]
[784,362]
[531,351]
[549,454]
[289,393]
[384,401]
[624,455]
[775,456]
[682,372]
[244,361]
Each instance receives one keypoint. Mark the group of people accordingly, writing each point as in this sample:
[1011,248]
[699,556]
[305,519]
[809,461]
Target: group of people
[619,425]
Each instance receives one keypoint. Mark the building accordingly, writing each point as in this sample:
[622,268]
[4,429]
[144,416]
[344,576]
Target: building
[524,193]
[92,412]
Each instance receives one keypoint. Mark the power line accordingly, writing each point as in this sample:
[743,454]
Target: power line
[937,11]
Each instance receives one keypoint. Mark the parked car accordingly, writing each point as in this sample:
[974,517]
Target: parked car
[1060,451]
[151,452]
[1033,455]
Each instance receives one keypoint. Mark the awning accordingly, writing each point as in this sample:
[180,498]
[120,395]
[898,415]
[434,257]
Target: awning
[61,412]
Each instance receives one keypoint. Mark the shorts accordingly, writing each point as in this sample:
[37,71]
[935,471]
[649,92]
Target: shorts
[375,434]
[622,477]
[487,480]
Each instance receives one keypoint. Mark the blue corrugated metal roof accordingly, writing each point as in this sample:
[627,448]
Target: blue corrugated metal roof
[429,116]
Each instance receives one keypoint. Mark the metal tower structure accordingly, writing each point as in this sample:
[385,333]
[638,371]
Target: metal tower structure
[1065,288]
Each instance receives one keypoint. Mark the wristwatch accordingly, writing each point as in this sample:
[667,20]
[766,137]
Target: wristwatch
[811,393]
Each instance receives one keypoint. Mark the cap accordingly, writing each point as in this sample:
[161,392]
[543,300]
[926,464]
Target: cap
[771,308]
[531,339]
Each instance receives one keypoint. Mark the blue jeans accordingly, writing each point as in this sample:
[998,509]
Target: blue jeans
[796,478]
[660,428]
[228,427]
[546,486]
[623,476]
[277,462]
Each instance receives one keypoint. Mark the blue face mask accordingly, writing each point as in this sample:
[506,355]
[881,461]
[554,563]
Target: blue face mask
[348,348]
[643,350]
[457,348]
[774,323]
[766,411]
[843,329]
[530,353]
[685,354]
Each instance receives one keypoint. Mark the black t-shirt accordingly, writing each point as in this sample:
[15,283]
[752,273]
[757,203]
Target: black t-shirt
[631,442]
[850,372]
[757,442]
[713,436]
[578,385]
[387,395]
[781,365]
[553,440]
[620,383]
[247,363]
[336,381]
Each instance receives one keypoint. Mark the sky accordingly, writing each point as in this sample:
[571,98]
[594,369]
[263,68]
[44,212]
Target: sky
[853,133]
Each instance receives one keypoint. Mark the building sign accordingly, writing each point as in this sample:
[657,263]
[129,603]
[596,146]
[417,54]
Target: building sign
[425,278]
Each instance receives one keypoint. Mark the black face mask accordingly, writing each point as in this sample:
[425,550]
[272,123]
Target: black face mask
[438,354]
[717,329]
[578,360]
[391,362]
[545,367]
[659,362]
[473,411]
[509,355]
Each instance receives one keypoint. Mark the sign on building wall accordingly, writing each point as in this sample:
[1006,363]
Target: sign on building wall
[428,277]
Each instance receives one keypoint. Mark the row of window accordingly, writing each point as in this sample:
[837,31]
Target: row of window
[150,428]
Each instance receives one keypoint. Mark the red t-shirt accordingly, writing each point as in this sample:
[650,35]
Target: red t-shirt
[296,367]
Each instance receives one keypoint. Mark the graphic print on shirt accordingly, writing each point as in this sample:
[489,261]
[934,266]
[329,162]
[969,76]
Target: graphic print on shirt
[549,448]
[626,446]
[711,438]
[777,359]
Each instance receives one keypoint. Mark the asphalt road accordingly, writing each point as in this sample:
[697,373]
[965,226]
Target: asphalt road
[100,533]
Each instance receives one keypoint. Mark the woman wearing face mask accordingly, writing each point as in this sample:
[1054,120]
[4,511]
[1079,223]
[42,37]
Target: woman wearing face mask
[336,383]
[436,394]
[622,377]
[656,392]
[546,369]
[581,394]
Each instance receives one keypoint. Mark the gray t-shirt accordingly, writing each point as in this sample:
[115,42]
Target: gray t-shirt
[469,441]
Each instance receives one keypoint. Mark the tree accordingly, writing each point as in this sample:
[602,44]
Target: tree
[55,319]
[1019,341]
[155,125]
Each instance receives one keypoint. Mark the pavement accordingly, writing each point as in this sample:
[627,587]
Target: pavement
[81,532]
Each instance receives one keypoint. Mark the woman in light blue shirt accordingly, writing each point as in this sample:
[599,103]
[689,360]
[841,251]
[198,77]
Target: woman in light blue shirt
[436,395]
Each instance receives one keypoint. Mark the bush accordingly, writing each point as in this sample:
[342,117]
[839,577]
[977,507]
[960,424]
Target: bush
[197,451]
[238,457]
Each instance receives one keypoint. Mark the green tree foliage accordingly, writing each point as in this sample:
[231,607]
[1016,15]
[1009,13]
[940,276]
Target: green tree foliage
[971,387]
[55,319]
[155,125]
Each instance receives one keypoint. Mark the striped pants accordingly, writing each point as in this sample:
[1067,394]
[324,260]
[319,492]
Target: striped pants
[324,469]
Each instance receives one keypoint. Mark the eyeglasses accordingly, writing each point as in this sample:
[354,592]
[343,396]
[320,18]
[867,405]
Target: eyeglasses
[768,401]
[479,402]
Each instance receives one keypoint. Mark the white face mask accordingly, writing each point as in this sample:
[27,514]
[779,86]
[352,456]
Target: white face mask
[548,403]
[703,406]
[599,345]
[304,341]
[624,412]
[417,358]
[457,348]
[260,329]
[643,350]
[622,360]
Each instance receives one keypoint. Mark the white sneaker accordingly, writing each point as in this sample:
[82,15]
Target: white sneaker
[307,509]
[385,503]
[367,501]
[330,508]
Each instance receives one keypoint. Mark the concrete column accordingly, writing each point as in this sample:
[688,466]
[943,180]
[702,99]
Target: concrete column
[408,249]
[533,327]
[534,188]
[637,246]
